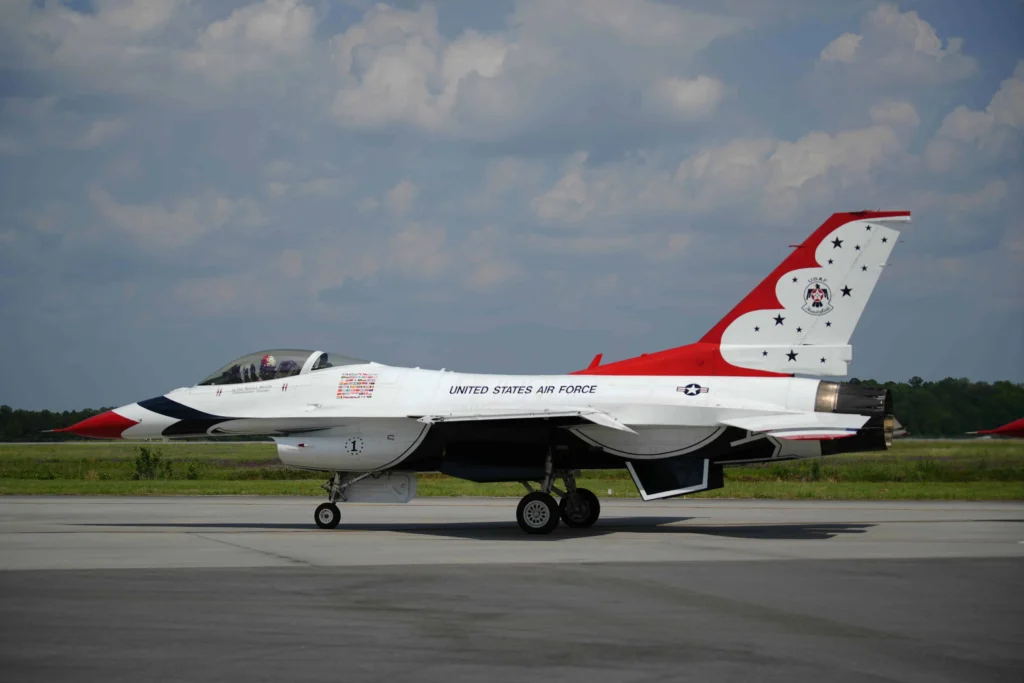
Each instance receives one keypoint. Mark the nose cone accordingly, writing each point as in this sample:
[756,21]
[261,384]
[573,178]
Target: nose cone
[108,425]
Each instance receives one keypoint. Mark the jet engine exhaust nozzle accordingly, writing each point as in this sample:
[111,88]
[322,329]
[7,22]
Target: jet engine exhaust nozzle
[856,399]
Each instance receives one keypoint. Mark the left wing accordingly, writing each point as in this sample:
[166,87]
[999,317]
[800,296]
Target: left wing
[590,414]
[815,426]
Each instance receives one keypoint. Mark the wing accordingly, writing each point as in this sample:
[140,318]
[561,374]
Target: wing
[590,414]
[815,426]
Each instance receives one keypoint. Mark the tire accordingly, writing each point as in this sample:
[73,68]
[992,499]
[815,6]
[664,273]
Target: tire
[537,513]
[585,514]
[327,515]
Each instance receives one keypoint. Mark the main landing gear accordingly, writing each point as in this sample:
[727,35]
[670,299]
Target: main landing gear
[538,513]
[327,514]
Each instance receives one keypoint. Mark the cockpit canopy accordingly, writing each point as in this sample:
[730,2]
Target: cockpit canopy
[275,364]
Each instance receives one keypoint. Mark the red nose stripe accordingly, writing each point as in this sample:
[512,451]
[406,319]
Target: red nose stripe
[108,425]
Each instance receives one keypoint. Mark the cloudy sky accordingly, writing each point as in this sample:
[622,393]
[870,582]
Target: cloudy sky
[507,186]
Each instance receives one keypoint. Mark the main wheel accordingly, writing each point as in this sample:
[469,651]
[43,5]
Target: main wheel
[584,513]
[537,513]
[327,515]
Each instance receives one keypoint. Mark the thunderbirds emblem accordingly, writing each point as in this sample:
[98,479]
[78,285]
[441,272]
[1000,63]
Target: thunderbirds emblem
[817,297]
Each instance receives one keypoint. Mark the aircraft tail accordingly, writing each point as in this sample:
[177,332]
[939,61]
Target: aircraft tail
[800,318]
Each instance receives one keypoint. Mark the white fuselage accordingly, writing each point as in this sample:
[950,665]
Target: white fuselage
[371,416]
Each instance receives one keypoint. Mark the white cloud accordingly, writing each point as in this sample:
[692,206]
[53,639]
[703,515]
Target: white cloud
[842,49]
[1007,105]
[509,173]
[418,251]
[367,205]
[252,40]
[48,122]
[985,199]
[113,47]
[685,99]
[400,197]
[970,138]
[155,226]
[397,68]
[568,201]
[486,252]
[897,49]
[635,23]
[895,113]
[778,177]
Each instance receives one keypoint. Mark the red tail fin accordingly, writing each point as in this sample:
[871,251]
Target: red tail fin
[800,318]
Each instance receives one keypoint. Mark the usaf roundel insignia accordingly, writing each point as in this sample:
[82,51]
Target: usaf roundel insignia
[692,389]
[817,297]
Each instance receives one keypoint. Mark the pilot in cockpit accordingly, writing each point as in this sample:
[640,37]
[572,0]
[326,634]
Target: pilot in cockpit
[268,367]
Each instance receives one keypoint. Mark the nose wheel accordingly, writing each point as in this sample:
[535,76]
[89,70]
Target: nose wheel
[327,515]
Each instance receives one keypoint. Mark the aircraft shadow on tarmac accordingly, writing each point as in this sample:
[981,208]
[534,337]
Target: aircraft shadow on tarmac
[509,531]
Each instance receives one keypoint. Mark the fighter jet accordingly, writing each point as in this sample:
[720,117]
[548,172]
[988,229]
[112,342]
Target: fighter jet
[1010,430]
[673,418]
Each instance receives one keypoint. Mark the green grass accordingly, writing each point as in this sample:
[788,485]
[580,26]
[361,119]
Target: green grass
[967,470]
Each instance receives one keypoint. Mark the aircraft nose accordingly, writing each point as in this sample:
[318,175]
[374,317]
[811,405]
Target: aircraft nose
[108,425]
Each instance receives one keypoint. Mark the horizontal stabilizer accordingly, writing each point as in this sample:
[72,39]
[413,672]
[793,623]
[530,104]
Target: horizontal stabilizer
[817,426]
[596,416]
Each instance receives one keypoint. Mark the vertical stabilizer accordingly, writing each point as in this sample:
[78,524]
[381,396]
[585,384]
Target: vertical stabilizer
[800,318]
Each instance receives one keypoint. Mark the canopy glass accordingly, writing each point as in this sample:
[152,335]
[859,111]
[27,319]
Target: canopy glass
[275,364]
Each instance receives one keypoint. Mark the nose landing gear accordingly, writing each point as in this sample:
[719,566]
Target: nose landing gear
[327,514]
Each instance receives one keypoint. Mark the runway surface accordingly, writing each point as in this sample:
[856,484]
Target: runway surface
[220,588]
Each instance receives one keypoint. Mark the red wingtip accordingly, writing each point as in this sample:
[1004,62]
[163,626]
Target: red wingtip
[108,425]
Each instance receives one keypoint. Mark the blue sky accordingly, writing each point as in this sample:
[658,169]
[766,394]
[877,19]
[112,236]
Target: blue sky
[501,186]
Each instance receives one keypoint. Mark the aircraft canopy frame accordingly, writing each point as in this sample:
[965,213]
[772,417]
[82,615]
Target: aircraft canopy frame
[262,366]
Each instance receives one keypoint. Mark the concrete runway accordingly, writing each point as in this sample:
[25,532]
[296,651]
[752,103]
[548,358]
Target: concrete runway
[223,588]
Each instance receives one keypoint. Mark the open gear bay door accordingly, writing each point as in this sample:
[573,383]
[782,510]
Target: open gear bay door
[674,476]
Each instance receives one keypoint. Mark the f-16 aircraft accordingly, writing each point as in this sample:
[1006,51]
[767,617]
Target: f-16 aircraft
[672,418]
[1010,430]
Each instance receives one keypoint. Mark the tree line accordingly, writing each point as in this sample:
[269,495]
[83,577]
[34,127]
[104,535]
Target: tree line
[948,407]
[952,407]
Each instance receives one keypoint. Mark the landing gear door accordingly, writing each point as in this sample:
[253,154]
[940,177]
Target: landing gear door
[669,477]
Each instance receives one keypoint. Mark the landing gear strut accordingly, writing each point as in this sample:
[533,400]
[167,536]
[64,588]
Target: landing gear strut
[538,513]
[327,514]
